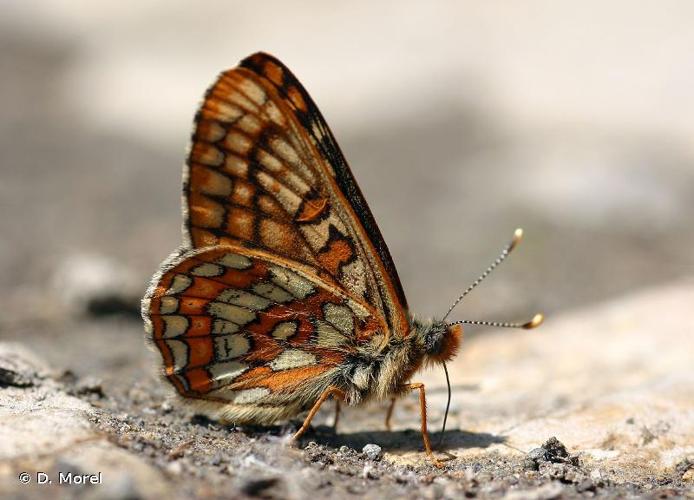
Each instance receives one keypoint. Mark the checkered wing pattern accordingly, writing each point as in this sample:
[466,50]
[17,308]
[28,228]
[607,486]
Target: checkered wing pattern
[283,275]
[241,326]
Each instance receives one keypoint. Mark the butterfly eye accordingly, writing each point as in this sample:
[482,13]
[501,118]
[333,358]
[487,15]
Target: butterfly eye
[442,342]
[434,339]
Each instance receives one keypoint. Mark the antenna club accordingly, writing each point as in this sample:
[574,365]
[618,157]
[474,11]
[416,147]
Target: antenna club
[517,237]
[537,320]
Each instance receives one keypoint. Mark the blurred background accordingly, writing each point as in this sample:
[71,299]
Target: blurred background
[461,121]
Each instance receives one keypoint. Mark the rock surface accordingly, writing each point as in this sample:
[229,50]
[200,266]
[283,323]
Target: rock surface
[536,414]
[613,382]
[46,430]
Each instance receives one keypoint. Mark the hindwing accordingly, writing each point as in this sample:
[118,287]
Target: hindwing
[242,326]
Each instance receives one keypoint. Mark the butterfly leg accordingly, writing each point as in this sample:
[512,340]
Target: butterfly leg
[330,391]
[337,415]
[389,413]
[423,411]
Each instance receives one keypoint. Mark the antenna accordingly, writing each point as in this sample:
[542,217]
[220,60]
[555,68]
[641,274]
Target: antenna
[517,236]
[528,325]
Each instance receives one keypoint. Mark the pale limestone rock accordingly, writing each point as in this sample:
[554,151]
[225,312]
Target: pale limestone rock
[43,429]
[613,382]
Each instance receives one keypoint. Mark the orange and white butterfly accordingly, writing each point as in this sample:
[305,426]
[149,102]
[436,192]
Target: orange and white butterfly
[284,292]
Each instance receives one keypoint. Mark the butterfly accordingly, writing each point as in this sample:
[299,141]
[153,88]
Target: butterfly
[284,293]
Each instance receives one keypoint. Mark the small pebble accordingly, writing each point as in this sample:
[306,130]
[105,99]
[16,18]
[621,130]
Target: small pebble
[174,468]
[372,451]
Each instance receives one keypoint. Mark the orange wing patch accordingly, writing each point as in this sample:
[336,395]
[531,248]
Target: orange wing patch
[311,210]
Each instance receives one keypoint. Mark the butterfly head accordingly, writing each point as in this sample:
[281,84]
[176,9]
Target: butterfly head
[439,340]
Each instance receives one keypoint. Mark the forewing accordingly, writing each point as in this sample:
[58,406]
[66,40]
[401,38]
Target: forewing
[240,326]
[265,172]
